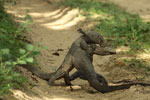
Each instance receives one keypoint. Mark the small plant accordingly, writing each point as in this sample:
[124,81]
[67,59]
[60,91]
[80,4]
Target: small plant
[9,79]
[24,56]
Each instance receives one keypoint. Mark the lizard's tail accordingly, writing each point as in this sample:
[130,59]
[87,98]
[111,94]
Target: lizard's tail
[37,72]
[105,89]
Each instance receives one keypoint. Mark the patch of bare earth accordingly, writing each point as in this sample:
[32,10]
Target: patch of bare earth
[55,28]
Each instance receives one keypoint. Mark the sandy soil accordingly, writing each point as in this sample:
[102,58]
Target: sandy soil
[55,28]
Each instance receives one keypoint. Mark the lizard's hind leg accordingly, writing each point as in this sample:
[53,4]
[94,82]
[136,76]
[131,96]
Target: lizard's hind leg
[77,74]
[102,80]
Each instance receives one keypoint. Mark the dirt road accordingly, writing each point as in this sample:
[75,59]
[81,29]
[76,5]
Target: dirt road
[55,28]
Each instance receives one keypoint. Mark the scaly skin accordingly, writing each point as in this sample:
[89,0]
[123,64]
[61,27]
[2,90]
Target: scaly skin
[90,48]
[80,56]
[82,60]
[77,74]
[67,64]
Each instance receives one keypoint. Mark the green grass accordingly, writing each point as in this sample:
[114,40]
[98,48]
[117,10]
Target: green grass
[120,27]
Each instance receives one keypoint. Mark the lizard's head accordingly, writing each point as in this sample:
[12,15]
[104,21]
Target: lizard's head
[104,51]
[96,49]
[93,37]
[96,38]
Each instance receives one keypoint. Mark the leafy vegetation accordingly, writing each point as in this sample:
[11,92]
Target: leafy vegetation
[137,63]
[140,66]
[120,27]
[13,50]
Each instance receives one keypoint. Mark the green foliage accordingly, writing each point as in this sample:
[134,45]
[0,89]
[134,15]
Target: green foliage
[9,47]
[137,63]
[13,50]
[9,79]
[117,25]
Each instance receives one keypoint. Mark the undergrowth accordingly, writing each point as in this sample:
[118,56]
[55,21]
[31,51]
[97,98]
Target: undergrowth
[13,50]
[120,27]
